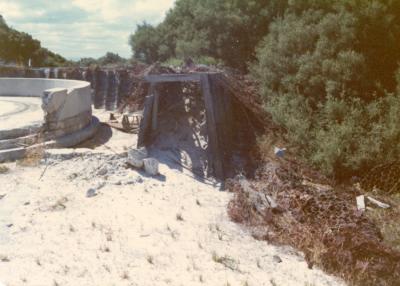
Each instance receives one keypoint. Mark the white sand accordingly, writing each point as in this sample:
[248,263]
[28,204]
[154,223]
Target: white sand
[131,232]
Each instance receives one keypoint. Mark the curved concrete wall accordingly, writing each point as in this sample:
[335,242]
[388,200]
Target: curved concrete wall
[36,86]
[67,112]
[111,86]
[67,104]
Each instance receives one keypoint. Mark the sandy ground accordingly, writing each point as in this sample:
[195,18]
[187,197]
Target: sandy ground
[16,112]
[138,230]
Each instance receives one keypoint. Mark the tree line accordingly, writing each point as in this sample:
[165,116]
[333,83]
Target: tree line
[19,47]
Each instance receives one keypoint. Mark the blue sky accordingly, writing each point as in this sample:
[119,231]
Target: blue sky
[83,28]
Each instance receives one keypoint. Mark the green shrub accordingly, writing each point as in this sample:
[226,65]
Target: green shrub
[173,62]
[325,78]
[343,136]
[209,61]
[206,60]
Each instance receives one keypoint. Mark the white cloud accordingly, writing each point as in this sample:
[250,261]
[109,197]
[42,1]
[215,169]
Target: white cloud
[112,10]
[11,9]
[16,11]
[83,28]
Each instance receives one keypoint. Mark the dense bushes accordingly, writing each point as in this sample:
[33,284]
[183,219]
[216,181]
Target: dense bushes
[327,76]
[342,136]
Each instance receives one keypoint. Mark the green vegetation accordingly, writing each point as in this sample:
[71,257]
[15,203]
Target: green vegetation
[328,77]
[327,69]
[109,59]
[18,47]
[226,30]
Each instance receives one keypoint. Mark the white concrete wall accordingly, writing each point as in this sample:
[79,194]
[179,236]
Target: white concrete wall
[66,102]
[36,86]
[78,98]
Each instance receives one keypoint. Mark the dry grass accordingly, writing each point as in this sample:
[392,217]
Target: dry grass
[225,260]
[325,225]
[32,158]
[59,205]
[4,169]
[388,220]
[34,154]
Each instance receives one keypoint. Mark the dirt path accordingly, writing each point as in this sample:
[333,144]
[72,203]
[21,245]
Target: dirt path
[137,230]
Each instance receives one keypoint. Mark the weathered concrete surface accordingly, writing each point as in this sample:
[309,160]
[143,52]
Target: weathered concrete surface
[151,166]
[67,110]
[64,119]
[19,112]
[65,102]
[136,157]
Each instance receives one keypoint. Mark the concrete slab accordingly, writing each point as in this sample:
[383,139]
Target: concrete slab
[18,112]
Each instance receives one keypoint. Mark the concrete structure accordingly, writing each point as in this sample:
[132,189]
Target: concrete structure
[110,86]
[219,116]
[65,119]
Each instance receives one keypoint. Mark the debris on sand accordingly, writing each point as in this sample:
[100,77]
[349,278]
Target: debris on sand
[279,152]
[136,157]
[121,227]
[276,259]
[103,171]
[151,166]
[127,122]
[91,193]
[4,169]
[361,203]
[326,226]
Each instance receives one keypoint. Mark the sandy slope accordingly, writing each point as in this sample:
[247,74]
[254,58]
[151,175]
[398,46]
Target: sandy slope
[169,230]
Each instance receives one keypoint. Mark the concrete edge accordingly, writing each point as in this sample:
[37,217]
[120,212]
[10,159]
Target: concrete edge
[20,132]
[66,141]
